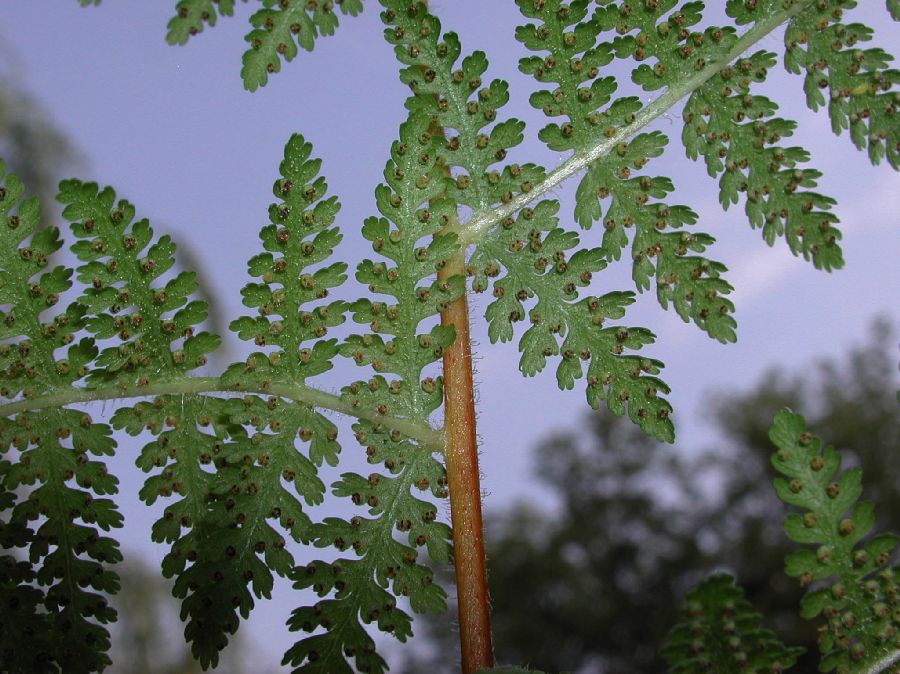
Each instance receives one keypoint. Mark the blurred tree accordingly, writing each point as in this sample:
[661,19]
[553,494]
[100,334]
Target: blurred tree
[591,586]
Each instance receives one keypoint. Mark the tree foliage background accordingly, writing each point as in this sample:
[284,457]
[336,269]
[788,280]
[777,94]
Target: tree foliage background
[592,585]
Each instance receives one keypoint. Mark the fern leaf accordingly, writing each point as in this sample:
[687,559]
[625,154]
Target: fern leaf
[224,549]
[462,105]
[48,471]
[151,322]
[692,284]
[299,238]
[534,251]
[720,633]
[280,26]
[191,433]
[86,3]
[363,588]
[191,16]
[856,589]
[858,86]
[737,134]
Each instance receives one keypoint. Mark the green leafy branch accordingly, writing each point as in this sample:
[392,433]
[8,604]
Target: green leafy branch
[240,471]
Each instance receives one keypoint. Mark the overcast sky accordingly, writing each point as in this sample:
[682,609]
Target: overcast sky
[175,133]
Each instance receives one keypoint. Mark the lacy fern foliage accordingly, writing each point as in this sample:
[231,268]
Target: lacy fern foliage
[398,351]
[237,456]
[279,28]
[54,482]
[854,587]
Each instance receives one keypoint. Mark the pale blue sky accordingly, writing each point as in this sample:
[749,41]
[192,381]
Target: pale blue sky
[174,132]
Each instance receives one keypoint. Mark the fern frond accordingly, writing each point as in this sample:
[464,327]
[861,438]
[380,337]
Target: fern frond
[720,633]
[857,590]
[455,99]
[191,16]
[363,587]
[47,471]
[859,87]
[152,323]
[280,26]
[737,134]
[191,436]
[691,283]
[452,91]
[224,550]
[534,251]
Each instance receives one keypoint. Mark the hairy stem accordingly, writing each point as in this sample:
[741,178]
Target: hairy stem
[461,459]
[302,393]
[882,665]
[480,222]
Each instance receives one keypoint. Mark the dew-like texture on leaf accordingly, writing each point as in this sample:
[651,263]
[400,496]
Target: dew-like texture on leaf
[283,25]
[191,16]
[855,589]
[720,633]
[362,589]
[55,558]
[150,321]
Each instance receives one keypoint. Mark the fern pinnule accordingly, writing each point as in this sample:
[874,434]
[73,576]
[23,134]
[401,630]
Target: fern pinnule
[462,104]
[191,16]
[738,135]
[224,548]
[855,589]
[408,235]
[290,306]
[58,518]
[562,323]
[857,84]
[720,633]
[152,322]
[279,27]
[292,323]
[575,58]
[189,439]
